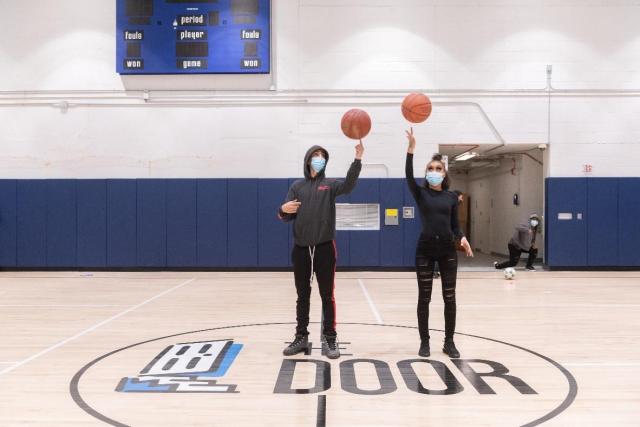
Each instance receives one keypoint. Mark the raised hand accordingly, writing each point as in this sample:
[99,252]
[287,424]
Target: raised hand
[412,140]
[359,150]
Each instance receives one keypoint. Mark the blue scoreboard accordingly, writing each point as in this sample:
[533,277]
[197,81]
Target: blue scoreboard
[193,36]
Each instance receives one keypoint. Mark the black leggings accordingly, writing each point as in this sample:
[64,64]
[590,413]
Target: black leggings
[514,257]
[427,253]
[324,265]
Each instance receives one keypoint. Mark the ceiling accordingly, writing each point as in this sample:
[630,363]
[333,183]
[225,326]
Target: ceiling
[488,154]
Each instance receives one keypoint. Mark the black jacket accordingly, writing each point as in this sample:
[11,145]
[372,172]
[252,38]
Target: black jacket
[315,221]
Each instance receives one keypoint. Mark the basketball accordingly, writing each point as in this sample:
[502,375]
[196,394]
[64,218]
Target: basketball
[416,107]
[356,123]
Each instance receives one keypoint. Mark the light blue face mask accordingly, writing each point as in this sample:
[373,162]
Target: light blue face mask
[434,178]
[318,163]
[534,222]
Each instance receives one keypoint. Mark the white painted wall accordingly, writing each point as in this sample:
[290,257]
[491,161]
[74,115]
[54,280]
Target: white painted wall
[325,45]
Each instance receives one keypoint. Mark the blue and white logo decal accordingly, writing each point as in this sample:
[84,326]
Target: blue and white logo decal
[191,367]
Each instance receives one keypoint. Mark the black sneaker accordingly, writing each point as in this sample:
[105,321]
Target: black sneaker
[424,351]
[299,344]
[495,265]
[333,352]
[450,349]
[530,268]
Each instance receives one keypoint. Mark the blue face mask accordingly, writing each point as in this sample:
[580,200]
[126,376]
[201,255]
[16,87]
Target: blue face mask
[434,178]
[318,163]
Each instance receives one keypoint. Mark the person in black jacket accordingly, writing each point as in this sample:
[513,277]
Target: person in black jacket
[438,209]
[311,205]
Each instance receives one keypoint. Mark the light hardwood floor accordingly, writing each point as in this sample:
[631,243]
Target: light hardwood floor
[547,328]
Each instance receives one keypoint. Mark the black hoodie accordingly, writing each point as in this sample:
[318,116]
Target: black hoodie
[315,221]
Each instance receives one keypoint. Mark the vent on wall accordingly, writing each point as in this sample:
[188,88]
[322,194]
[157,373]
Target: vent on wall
[357,216]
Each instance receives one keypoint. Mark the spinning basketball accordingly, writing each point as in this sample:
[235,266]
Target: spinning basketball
[356,123]
[416,107]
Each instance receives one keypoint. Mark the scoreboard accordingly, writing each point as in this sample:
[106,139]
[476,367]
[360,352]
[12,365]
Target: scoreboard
[193,36]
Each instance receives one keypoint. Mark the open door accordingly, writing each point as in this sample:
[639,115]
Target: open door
[502,185]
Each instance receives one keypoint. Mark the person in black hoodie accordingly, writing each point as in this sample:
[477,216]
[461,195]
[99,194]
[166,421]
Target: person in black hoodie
[311,205]
[438,209]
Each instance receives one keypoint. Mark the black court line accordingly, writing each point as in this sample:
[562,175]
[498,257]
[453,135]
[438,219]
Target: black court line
[77,398]
[321,416]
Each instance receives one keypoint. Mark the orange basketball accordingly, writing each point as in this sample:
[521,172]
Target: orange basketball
[356,123]
[416,107]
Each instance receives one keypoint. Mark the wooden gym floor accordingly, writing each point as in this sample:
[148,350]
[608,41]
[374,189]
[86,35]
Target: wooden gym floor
[84,349]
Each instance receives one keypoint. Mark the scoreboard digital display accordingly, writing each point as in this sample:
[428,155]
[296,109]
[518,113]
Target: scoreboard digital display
[193,36]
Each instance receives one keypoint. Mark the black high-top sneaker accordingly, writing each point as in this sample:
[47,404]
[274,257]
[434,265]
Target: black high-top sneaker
[450,349]
[425,350]
[333,352]
[299,344]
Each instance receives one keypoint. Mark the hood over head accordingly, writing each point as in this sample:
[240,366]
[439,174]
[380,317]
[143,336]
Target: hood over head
[307,160]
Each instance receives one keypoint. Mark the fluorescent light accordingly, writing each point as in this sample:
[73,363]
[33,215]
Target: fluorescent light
[466,156]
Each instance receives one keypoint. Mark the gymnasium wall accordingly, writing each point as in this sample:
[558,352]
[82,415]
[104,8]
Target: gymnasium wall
[64,112]
[603,230]
[180,223]
[231,223]
[322,46]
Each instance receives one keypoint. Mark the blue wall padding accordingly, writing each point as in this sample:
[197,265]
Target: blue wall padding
[391,238]
[602,221]
[182,222]
[232,223]
[61,223]
[242,199]
[567,239]
[273,234]
[121,223]
[8,222]
[629,221]
[152,223]
[212,223]
[91,198]
[32,223]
